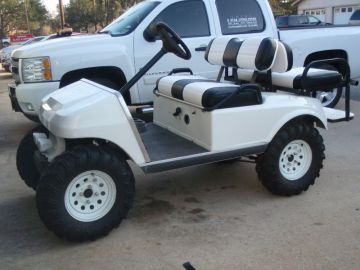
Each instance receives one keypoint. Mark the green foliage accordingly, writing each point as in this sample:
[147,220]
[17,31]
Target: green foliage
[82,14]
[12,15]
[282,7]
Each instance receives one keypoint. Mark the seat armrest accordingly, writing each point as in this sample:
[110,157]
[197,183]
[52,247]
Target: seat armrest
[344,70]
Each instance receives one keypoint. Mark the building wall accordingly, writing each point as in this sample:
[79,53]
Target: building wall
[313,4]
[325,9]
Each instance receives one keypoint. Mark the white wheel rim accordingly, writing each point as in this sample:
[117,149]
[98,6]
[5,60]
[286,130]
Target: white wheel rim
[326,97]
[90,196]
[295,160]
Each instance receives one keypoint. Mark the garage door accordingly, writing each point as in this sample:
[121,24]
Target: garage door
[318,13]
[343,14]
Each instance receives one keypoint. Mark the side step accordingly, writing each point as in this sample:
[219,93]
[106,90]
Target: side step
[334,115]
[145,110]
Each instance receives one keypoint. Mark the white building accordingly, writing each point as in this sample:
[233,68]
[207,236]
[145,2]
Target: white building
[330,11]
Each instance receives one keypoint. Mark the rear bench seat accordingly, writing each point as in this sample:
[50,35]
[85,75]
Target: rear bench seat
[283,76]
[255,53]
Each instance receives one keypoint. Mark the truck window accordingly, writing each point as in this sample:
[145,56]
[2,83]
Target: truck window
[282,21]
[313,20]
[187,18]
[298,20]
[356,15]
[240,16]
[128,21]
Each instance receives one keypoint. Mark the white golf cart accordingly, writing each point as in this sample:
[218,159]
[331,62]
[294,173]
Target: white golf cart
[78,164]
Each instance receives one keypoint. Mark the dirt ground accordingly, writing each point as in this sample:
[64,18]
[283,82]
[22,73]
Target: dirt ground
[215,216]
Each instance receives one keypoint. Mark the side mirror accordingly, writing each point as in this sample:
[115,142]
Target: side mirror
[150,33]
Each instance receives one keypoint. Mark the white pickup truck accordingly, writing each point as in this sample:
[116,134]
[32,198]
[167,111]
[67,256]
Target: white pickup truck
[116,53]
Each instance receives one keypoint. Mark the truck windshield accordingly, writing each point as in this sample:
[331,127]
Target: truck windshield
[128,21]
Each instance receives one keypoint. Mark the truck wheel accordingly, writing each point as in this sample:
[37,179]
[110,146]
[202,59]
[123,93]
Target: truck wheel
[106,82]
[25,163]
[329,98]
[292,160]
[33,118]
[85,193]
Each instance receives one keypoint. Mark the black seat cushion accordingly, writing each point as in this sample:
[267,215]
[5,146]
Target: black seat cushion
[318,79]
[245,97]
[206,93]
[321,81]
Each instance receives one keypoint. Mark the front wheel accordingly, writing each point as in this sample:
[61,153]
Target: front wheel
[85,193]
[293,159]
[25,158]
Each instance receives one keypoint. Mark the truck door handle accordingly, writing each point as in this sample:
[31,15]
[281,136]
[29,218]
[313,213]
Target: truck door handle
[201,48]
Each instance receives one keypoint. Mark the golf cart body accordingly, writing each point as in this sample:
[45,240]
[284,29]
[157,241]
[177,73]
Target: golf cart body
[87,186]
[186,131]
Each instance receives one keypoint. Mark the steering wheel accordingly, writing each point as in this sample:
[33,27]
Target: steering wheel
[172,42]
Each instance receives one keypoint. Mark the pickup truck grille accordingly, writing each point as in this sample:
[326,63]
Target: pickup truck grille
[15,69]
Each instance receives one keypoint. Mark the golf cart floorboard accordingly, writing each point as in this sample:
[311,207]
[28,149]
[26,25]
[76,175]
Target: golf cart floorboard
[162,144]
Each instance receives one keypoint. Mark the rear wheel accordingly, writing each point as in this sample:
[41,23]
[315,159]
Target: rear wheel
[292,160]
[85,193]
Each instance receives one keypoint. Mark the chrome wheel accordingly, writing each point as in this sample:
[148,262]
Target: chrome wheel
[90,196]
[295,160]
[327,98]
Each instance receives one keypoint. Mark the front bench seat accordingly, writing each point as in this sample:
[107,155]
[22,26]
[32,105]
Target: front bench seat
[284,76]
[205,93]
[254,53]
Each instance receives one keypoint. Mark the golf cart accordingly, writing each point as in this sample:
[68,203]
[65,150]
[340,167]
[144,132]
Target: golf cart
[77,162]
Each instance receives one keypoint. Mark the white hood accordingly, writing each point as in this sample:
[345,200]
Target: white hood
[50,47]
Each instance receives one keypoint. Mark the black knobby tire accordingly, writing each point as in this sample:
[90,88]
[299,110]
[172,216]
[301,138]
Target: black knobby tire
[59,175]
[25,163]
[268,164]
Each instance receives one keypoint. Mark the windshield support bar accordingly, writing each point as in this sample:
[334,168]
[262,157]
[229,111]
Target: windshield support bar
[142,71]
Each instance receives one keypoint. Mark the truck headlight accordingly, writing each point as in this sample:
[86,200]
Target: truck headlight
[36,69]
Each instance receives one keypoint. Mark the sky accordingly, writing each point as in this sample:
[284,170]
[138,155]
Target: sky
[51,4]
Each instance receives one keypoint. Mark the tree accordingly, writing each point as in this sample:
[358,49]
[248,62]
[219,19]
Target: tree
[7,19]
[13,16]
[81,14]
[282,7]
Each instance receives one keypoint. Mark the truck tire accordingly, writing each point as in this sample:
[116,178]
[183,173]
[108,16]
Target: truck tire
[292,160]
[25,158]
[33,118]
[106,82]
[85,193]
